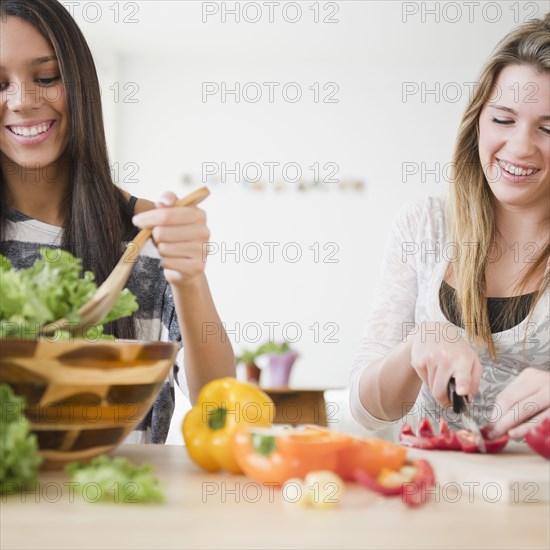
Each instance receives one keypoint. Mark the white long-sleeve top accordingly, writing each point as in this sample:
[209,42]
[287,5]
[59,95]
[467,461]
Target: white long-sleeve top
[415,261]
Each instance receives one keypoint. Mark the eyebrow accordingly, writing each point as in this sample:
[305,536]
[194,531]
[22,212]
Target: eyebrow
[43,59]
[509,110]
[38,61]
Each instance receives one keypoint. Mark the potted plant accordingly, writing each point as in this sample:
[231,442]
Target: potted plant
[281,358]
[248,359]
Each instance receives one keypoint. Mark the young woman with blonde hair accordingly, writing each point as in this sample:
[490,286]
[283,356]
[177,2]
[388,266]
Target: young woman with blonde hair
[464,290]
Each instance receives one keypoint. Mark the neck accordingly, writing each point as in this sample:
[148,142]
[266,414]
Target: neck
[41,192]
[523,225]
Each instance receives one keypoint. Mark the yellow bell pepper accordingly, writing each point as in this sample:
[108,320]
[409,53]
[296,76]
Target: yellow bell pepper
[223,405]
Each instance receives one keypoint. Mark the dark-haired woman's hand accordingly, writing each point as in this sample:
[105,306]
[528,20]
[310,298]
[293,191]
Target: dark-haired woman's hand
[522,404]
[180,234]
[438,352]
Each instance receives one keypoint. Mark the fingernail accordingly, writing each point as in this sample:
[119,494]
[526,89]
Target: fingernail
[462,390]
[166,201]
[513,433]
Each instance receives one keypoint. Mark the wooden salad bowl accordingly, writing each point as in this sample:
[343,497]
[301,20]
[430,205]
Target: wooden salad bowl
[83,398]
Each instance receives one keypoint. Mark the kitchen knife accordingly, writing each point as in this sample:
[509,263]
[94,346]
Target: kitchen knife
[461,406]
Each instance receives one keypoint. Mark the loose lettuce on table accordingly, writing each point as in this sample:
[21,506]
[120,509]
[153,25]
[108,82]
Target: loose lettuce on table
[19,458]
[116,480]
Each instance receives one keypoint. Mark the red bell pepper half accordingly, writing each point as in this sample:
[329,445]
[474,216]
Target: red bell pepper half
[447,440]
[416,493]
[413,492]
[409,439]
[539,438]
[374,485]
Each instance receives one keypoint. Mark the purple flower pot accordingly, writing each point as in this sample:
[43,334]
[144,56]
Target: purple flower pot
[280,365]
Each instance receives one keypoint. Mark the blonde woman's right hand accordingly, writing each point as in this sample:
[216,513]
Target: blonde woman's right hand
[438,353]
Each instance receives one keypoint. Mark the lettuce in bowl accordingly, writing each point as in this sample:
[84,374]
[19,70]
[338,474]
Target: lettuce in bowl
[49,289]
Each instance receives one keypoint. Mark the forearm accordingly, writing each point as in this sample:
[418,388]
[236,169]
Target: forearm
[207,354]
[389,386]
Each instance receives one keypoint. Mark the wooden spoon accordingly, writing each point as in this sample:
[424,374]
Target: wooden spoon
[106,295]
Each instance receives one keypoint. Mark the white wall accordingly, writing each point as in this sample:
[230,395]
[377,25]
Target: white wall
[370,133]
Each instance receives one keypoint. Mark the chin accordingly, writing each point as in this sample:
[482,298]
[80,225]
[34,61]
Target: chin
[515,199]
[35,162]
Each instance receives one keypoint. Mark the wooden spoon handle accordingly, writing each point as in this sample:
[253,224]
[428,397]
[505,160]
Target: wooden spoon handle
[132,250]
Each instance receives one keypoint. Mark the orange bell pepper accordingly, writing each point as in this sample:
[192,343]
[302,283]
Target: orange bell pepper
[371,456]
[368,454]
[275,456]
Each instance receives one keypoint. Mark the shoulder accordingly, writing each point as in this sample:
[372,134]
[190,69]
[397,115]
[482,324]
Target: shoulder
[422,218]
[426,206]
[142,205]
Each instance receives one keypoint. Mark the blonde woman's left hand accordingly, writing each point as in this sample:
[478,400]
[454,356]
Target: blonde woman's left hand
[180,235]
[522,404]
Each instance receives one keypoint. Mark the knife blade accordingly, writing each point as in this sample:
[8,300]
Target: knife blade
[461,406]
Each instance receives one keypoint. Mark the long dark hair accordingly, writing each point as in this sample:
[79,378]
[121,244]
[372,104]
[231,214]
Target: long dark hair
[97,219]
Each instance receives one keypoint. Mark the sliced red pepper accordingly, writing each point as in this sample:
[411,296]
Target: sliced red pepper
[371,483]
[409,439]
[467,441]
[463,440]
[413,493]
[407,429]
[447,439]
[539,438]
[425,429]
[494,445]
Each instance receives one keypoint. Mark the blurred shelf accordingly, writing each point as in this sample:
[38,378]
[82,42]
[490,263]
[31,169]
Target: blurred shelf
[299,405]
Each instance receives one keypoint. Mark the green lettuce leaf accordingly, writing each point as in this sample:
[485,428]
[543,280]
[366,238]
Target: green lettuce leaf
[116,479]
[46,291]
[19,458]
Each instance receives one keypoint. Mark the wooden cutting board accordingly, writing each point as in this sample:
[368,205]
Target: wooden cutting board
[516,475]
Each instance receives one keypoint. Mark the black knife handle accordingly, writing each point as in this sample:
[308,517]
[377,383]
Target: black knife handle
[458,402]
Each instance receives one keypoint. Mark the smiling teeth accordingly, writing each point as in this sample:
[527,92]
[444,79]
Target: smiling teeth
[30,131]
[516,170]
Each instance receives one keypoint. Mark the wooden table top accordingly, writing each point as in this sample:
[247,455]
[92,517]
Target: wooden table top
[223,511]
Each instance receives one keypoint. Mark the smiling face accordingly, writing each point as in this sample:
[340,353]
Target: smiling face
[33,109]
[514,138]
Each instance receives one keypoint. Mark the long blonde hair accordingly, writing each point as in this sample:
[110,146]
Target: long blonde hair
[470,212]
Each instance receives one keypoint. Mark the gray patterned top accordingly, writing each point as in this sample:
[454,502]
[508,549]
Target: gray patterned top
[415,261]
[155,320]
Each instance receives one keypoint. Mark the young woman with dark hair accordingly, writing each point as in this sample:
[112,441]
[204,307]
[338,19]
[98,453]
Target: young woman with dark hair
[56,191]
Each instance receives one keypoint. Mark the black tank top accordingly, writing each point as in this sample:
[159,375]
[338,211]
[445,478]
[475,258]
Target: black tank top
[132,204]
[495,307]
